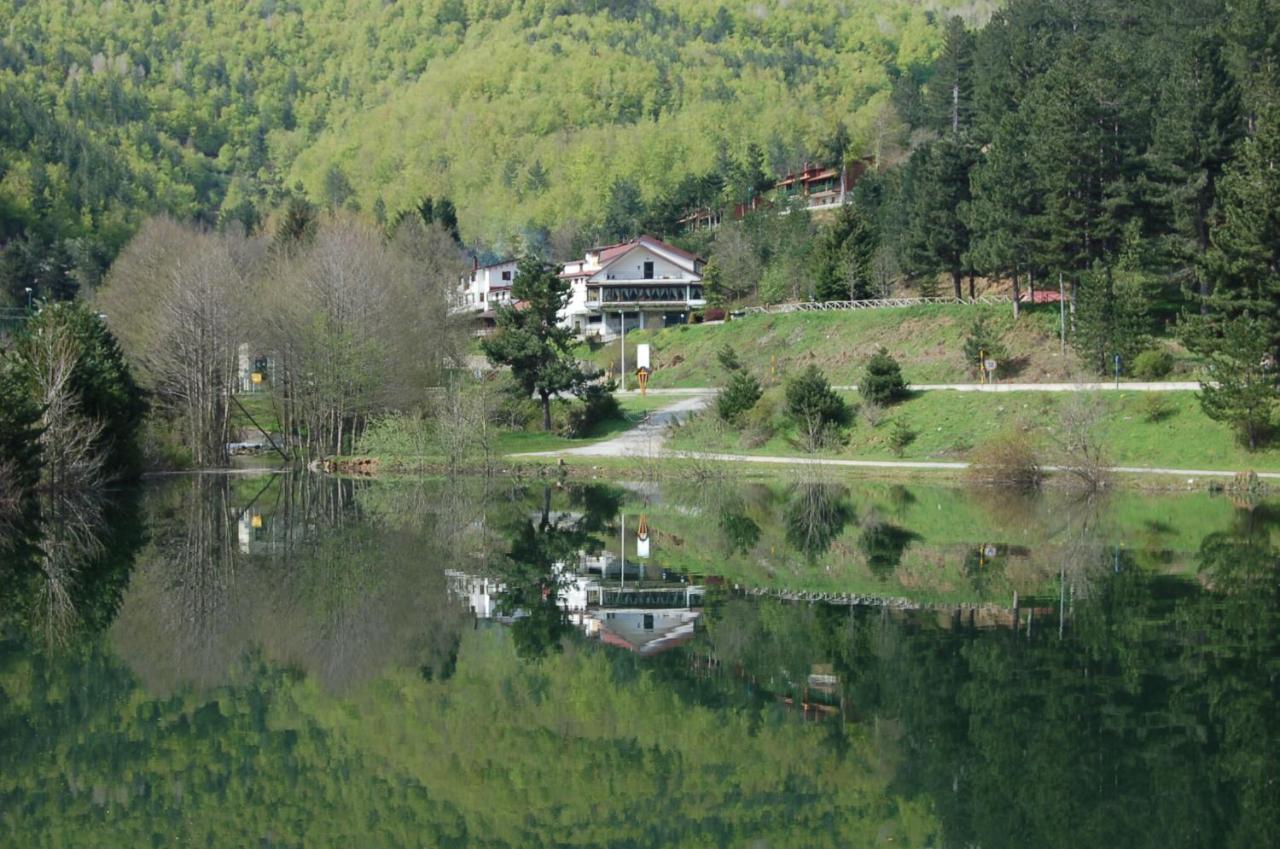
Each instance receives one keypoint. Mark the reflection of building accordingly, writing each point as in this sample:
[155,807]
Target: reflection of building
[645,632]
[646,619]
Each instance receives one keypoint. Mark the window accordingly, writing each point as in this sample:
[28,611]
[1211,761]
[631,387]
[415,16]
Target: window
[648,621]
[648,270]
[506,275]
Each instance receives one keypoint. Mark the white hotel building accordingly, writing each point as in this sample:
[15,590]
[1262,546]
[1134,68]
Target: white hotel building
[644,282]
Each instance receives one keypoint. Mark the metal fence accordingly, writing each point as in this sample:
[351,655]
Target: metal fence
[872,304]
[11,319]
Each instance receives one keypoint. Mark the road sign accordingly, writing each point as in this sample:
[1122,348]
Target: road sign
[642,537]
[989,365]
[256,377]
[989,551]
[642,356]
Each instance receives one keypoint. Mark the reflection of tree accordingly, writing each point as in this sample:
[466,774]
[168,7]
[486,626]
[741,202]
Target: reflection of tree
[66,564]
[540,560]
[816,515]
[883,545]
[327,590]
[741,533]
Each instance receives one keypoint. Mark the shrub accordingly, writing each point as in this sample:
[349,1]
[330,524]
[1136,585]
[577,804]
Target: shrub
[1153,364]
[882,382]
[1009,458]
[713,314]
[398,435]
[872,413]
[739,396]
[983,340]
[900,437]
[1156,407]
[728,358]
[814,405]
[598,405]
[695,318]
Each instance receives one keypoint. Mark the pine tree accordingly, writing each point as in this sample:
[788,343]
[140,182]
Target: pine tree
[1243,261]
[950,97]
[939,235]
[532,342]
[1197,124]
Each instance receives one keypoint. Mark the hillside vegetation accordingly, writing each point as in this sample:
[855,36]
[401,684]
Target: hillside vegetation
[927,341]
[522,112]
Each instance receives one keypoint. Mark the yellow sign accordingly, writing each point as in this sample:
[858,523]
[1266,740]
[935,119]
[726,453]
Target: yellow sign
[256,377]
[256,520]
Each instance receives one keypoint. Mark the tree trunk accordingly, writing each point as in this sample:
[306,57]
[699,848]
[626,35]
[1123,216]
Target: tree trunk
[546,411]
[1017,296]
[972,292]
[957,278]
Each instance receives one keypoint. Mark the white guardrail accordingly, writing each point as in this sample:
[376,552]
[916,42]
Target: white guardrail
[872,304]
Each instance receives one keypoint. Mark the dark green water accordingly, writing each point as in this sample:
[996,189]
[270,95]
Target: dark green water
[297,662]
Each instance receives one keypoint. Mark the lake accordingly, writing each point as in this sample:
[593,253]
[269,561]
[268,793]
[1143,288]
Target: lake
[297,661]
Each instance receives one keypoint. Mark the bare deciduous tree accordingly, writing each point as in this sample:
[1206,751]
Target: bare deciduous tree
[1081,452]
[176,299]
[71,453]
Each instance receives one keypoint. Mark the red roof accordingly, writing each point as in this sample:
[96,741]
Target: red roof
[1041,296]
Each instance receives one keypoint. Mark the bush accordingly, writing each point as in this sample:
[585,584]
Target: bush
[1154,364]
[728,359]
[739,396]
[1156,407]
[713,314]
[983,340]
[1009,458]
[882,382]
[900,437]
[398,435]
[814,405]
[598,405]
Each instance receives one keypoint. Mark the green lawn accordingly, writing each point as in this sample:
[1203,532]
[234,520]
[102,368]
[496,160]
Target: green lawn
[260,406]
[926,340]
[949,424]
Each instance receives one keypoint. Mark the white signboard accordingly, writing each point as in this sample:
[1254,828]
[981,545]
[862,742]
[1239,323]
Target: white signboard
[642,547]
[642,356]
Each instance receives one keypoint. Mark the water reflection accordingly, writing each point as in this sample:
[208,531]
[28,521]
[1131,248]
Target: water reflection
[500,663]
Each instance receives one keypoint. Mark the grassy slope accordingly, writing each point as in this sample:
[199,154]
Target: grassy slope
[949,424]
[926,340]
[520,441]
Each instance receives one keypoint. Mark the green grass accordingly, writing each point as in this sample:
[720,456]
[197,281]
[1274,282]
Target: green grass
[634,408]
[926,340]
[948,425]
[259,405]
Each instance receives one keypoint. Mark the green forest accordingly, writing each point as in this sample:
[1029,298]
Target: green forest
[522,112]
[318,679]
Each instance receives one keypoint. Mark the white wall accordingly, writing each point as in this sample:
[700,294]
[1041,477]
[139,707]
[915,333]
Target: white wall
[631,267]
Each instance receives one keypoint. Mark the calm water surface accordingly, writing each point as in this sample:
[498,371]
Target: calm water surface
[292,661]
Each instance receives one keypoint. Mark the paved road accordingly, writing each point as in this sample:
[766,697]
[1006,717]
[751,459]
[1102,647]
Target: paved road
[643,440]
[1164,386]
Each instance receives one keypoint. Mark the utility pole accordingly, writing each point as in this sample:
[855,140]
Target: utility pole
[1062,314]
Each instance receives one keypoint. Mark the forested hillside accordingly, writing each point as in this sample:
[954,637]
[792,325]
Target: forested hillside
[523,113]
